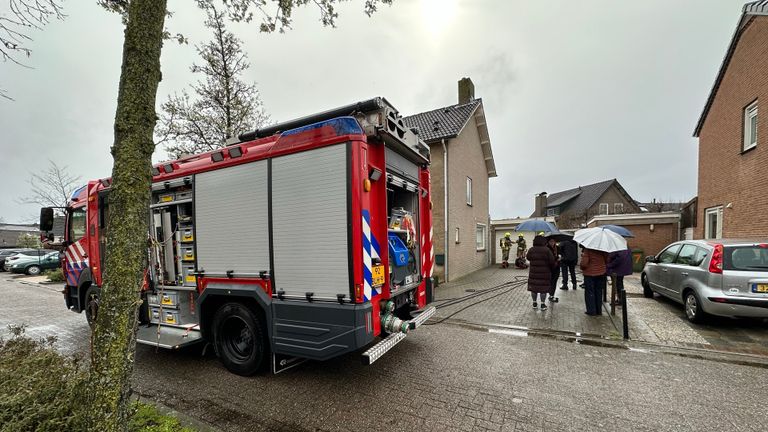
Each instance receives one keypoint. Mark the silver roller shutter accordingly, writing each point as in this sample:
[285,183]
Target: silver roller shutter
[309,222]
[232,219]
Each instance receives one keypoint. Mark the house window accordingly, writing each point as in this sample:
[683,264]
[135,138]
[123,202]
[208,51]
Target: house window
[457,235]
[750,126]
[603,208]
[713,223]
[480,230]
[553,211]
[469,192]
[618,208]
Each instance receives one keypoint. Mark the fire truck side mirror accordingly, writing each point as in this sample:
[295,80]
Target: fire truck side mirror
[46,219]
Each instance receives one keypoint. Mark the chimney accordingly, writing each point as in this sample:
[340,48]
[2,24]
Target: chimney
[540,205]
[466,90]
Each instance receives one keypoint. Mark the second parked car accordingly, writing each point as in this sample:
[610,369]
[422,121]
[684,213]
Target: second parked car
[34,265]
[718,277]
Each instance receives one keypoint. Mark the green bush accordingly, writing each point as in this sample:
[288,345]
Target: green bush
[56,275]
[43,390]
[146,418]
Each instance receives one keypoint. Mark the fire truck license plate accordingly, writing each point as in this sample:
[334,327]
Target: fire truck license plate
[378,275]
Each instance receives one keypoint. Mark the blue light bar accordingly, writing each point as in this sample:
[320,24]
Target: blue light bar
[342,126]
[77,192]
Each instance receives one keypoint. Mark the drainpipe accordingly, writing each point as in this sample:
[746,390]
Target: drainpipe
[445,208]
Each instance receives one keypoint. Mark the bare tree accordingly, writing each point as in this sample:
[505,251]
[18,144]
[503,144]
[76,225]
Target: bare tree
[20,17]
[52,187]
[114,335]
[223,104]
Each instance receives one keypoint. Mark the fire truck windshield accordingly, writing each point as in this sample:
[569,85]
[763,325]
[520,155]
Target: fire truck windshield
[76,224]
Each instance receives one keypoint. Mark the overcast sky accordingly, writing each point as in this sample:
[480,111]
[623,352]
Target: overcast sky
[575,91]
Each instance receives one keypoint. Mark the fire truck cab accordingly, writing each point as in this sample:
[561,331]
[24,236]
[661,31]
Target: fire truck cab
[308,239]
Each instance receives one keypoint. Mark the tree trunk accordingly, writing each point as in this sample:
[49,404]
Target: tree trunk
[114,335]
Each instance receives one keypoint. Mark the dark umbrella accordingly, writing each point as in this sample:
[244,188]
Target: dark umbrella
[536,225]
[559,236]
[618,229]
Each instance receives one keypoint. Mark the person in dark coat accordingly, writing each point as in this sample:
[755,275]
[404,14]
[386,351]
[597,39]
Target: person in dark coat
[569,251]
[593,267]
[552,245]
[620,265]
[540,273]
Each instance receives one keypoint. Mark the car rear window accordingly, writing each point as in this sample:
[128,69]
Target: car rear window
[745,258]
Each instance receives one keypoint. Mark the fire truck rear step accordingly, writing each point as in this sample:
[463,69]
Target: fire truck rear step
[169,337]
[377,351]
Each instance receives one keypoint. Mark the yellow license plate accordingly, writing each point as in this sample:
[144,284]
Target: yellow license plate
[166,301]
[378,275]
[761,288]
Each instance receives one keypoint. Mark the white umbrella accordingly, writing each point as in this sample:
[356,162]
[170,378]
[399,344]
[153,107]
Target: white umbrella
[600,239]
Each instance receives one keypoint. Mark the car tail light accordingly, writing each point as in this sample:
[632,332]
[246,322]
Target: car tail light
[716,264]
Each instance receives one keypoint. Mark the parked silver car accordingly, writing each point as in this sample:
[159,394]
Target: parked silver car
[717,277]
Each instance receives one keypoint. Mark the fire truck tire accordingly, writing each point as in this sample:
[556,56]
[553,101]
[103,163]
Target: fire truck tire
[91,305]
[239,339]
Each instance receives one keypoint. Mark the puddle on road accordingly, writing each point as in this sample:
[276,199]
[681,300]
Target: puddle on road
[510,332]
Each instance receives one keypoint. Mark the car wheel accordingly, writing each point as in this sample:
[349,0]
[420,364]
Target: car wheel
[693,310]
[91,305]
[239,339]
[647,291]
[33,270]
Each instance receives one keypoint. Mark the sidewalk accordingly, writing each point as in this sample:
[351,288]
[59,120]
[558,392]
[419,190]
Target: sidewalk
[491,298]
[511,307]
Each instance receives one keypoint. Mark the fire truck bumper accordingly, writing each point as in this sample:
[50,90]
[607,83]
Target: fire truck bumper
[377,351]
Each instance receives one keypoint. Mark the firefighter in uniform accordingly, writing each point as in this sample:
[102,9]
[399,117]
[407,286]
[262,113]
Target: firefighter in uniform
[520,245]
[506,244]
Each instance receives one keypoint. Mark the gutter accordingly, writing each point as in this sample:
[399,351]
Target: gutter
[445,208]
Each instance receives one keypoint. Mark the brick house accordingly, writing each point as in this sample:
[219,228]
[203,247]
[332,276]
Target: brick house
[462,164]
[573,208]
[733,156]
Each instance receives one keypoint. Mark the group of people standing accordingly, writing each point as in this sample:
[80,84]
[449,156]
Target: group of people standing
[547,259]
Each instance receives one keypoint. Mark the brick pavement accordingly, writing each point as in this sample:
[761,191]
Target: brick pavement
[512,306]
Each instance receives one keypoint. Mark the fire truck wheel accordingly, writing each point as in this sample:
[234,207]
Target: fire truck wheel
[91,305]
[239,339]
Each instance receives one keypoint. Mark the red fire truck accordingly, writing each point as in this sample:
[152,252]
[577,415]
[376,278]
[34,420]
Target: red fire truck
[303,240]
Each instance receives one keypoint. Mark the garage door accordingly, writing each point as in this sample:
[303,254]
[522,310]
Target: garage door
[528,236]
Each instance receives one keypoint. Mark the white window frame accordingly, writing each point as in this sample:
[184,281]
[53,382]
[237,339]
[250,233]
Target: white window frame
[484,229]
[618,208]
[750,139]
[600,211]
[469,191]
[716,212]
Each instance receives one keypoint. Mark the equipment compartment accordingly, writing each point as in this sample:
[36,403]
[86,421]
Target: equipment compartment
[403,232]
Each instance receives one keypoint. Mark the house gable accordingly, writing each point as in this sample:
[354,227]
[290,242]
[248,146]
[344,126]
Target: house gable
[750,12]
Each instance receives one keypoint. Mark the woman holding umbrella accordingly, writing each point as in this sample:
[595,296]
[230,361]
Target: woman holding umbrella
[542,261]
[597,243]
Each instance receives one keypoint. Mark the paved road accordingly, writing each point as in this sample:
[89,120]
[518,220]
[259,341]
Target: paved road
[442,377]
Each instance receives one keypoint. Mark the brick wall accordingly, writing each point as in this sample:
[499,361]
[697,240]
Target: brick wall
[465,159]
[652,242]
[725,174]
[438,197]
